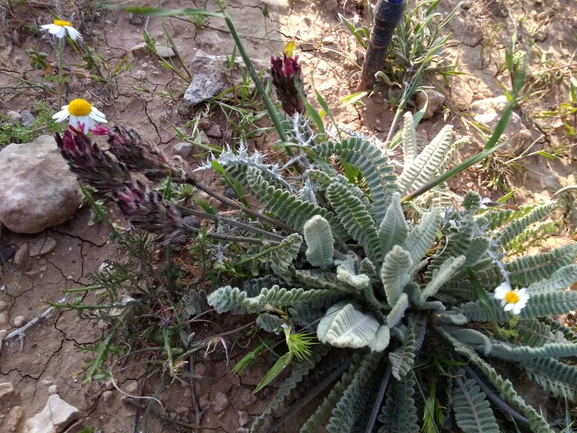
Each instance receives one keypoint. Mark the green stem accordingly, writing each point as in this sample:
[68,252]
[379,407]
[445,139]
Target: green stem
[272,110]
[60,52]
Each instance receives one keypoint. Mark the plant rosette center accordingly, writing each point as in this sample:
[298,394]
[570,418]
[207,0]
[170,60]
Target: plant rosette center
[62,23]
[79,107]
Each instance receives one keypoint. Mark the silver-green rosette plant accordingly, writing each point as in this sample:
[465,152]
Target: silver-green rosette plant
[437,315]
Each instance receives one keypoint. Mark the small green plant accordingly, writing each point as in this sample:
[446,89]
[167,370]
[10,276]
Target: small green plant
[12,131]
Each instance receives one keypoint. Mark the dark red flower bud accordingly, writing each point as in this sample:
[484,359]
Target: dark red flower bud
[286,79]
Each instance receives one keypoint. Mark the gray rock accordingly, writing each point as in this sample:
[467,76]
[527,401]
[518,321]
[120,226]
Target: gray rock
[6,389]
[183,149]
[37,190]
[2,305]
[434,101]
[243,417]
[53,389]
[55,416]
[214,131]
[3,318]
[42,246]
[220,402]
[212,76]
[282,6]
[3,333]
[27,118]
[19,321]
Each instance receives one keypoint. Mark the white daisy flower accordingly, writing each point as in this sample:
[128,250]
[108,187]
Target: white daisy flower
[59,28]
[80,112]
[511,300]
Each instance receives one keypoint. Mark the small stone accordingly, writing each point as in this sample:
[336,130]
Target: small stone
[106,395]
[19,321]
[109,384]
[47,381]
[13,115]
[13,419]
[33,274]
[183,149]
[42,246]
[187,393]
[214,131]
[27,118]
[220,402]
[55,416]
[329,40]
[204,401]
[204,124]
[243,417]
[2,305]
[132,387]
[204,138]
[139,50]
[53,389]
[434,101]
[136,19]
[282,6]
[242,430]
[102,325]
[247,397]
[3,318]
[3,333]
[21,254]
[164,51]
[6,389]
[139,75]
[467,4]
[182,410]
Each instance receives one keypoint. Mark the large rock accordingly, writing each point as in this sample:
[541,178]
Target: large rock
[55,416]
[37,190]
[212,76]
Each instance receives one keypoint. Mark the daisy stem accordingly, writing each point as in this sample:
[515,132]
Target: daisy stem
[60,51]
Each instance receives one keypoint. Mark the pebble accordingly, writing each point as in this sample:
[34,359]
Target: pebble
[243,417]
[220,402]
[247,397]
[204,401]
[164,51]
[329,40]
[214,131]
[3,318]
[13,115]
[136,19]
[102,325]
[204,124]
[19,321]
[27,118]
[41,247]
[106,395]
[132,388]
[183,149]
[53,389]
[2,305]
[21,253]
[13,419]
[6,389]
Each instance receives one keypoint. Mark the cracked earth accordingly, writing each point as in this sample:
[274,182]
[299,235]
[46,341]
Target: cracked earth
[48,355]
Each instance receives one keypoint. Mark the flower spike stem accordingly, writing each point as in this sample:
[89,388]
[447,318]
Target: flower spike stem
[388,13]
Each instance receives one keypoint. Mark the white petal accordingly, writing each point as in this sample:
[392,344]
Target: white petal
[501,290]
[509,307]
[62,115]
[517,309]
[73,33]
[60,33]
[98,116]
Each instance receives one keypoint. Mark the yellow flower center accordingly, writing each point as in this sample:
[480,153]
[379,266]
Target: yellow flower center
[62,23]
[511,298]
[79,107]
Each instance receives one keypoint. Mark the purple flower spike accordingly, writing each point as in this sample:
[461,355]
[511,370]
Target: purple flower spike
[286,79]
[89,163]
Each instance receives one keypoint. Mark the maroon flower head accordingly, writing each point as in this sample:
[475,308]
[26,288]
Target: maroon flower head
[138,155]
[147,210]
[89,163]
[286,79]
